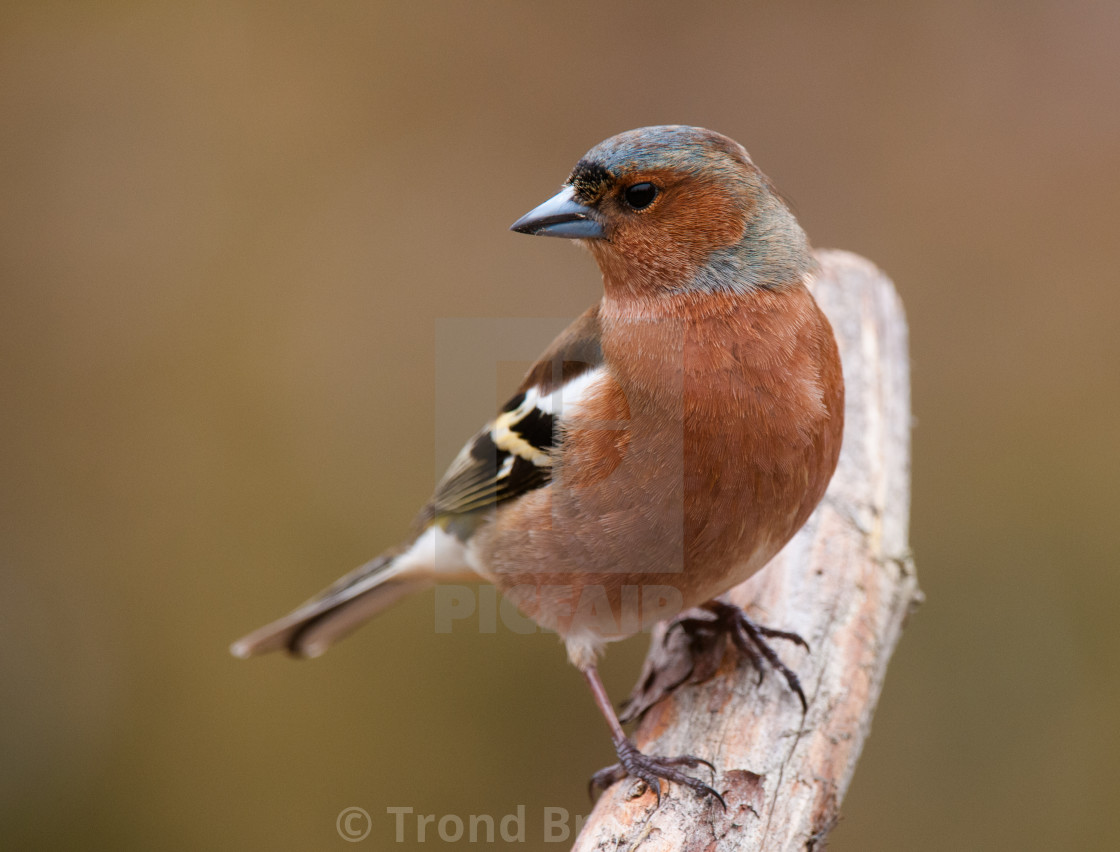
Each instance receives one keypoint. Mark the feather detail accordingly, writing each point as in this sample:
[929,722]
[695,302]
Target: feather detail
[514,453]
[310,629]
[371,584]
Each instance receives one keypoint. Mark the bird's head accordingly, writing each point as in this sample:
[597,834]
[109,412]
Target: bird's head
[672,209]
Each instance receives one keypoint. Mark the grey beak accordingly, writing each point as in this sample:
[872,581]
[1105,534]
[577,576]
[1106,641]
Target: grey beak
[560,216]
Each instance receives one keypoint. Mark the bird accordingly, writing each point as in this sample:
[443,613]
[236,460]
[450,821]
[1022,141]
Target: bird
[662,449]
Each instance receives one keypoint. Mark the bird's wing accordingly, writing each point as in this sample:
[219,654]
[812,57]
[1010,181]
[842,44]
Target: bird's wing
[511,456]
[514,453]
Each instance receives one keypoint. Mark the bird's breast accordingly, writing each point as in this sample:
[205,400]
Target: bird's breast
[701,449]
[730,417]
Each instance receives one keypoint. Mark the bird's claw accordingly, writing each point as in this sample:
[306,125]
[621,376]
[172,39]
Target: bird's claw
[650,769]
[748,637]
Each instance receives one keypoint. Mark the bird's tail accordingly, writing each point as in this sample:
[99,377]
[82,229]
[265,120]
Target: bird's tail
[310,629]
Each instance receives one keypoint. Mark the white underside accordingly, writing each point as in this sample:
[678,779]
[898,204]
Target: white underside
[436,553]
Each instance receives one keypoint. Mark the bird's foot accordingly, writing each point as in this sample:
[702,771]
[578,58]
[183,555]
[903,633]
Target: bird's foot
[707,640]
[650,769]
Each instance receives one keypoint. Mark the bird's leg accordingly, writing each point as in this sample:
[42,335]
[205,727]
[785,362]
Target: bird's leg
[631,762]
[707,641]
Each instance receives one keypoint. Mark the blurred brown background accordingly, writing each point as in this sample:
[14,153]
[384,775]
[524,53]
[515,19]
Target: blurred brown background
[227,233]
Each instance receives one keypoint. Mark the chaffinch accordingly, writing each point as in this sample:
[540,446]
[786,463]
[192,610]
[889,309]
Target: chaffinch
[664,447]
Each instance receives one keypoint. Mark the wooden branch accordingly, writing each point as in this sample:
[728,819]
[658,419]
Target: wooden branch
[846,583]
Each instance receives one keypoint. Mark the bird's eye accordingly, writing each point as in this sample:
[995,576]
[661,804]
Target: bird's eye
[640,195]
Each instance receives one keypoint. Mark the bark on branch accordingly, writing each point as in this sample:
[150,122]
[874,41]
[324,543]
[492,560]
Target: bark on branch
[846,583]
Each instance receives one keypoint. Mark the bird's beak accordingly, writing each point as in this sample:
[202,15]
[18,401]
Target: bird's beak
[561,216]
